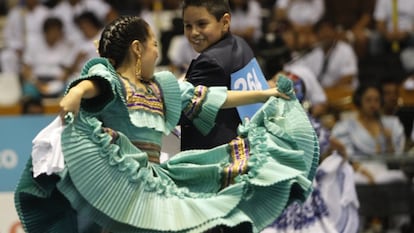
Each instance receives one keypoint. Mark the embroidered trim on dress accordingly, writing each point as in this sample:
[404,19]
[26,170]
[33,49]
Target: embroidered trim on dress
[149,102]
[152,150]
[192,109]
[239,151]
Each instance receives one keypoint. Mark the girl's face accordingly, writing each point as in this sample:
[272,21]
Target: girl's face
[149,56]
[371,102]
[202,29]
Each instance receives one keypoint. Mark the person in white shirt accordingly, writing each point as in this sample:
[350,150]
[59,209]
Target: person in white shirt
[67,10]
[315,99]
[23,27]
[246,20]
[334,62]
[394,30]
[180,53]
[302,15]
[43,62]
[90,26]
[301,12]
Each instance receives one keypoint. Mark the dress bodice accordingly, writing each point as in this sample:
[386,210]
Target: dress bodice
[145,115]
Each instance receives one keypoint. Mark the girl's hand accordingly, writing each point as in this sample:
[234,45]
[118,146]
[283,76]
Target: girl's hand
[274,92]
[71,102]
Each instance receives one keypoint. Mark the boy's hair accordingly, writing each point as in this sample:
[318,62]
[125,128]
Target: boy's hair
[215,7]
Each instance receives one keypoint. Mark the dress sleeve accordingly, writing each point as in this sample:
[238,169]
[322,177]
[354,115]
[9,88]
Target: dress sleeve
[101,71]
[201,104]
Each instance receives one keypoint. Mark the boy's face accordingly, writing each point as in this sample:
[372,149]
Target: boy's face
[202,29]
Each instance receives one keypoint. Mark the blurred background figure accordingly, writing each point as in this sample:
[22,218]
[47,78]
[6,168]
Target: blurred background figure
[43,72]
[334,62]
[180,54]
[22,29]
[390,93]
[90,26]
[314,98]
[394,23]
[67,10]
[396,104]
[371,138]
[369,133]
[353,21]
[246,20]
[302,15]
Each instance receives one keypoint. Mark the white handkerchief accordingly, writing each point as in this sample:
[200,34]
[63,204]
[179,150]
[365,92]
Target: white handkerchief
[47,154]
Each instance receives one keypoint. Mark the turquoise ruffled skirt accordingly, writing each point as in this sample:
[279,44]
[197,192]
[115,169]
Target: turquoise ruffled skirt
[117,188]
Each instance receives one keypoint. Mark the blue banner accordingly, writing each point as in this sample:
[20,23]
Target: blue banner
[16,138]
[249,77]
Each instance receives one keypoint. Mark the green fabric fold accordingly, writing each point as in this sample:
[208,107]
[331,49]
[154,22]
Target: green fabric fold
[116,186]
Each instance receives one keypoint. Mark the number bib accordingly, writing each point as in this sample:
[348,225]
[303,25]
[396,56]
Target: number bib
[249,77]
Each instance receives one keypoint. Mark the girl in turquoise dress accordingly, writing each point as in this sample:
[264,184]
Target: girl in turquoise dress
[115,114]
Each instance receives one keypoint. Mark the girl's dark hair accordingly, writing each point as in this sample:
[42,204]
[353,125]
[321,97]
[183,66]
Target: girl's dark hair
[118,35]
[215,7]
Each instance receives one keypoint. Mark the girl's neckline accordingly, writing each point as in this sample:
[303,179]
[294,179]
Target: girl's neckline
[146,89]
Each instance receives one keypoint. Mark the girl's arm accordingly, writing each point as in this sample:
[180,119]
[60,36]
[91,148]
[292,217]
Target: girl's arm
[238,98]
[85,89]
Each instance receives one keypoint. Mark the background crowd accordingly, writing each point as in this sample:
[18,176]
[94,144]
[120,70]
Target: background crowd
[340,49]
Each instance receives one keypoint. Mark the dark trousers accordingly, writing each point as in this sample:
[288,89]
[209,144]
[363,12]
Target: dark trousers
[241,228]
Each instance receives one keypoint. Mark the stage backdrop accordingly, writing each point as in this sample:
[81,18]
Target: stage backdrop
[15,146]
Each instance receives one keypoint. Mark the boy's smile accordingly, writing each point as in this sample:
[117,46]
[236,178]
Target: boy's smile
[202,29]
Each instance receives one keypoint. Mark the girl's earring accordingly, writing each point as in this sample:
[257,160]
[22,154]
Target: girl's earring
[138,68]
[96,43]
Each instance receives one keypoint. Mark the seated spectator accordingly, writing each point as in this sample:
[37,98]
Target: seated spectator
[313,97]
[22,29]
[43,62]
[303,15]
[166,20]
[394,28]
[390,91]
[90,27]
[67,10]
[246,20]
[353,20]
[334,62]
[180,54]
[369,133]
[393,105]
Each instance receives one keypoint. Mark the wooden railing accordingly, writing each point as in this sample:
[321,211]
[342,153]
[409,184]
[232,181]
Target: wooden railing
[51,106]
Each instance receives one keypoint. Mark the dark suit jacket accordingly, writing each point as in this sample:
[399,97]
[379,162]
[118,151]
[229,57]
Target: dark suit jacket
[213,67]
